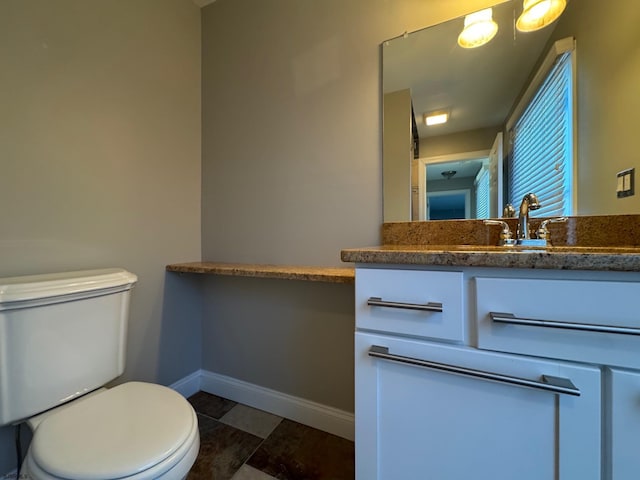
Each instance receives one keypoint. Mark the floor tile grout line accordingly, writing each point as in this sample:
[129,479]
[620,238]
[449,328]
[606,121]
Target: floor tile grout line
[238,428]
[243,461]
[262,440]
[251,455]
[205,415]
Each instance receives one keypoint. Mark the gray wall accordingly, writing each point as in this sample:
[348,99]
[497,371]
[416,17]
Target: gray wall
[291,173]
[100,160]
[608,68]
[292,124]
[294,337]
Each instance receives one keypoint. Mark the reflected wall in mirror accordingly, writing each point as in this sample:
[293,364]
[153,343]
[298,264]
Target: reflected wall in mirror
[484,89]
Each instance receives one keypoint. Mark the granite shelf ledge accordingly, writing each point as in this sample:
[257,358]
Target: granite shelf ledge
[284,272]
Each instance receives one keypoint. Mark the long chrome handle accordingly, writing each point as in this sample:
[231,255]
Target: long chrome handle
[533,322]
[548,383]
[429,307]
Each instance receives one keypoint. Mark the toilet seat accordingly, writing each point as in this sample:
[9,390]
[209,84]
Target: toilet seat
[135,431]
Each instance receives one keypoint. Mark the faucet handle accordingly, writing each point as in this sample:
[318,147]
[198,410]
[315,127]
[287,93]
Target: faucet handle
[543,231]
[506,238]
[509,210]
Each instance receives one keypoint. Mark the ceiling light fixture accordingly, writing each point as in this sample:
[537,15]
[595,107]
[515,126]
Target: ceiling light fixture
[538,14]
[448,174]
[479,28]
[435,118]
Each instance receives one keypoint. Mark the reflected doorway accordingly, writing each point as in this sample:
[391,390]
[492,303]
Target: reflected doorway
[449,205]
[478,172]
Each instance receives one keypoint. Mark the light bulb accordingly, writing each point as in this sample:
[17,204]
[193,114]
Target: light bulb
[538,14]
[479,28]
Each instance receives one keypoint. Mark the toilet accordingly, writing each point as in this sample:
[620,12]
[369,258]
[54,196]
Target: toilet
[62,339]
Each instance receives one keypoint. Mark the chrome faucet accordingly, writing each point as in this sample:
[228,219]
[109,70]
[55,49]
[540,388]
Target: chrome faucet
[529,202]
[524,237]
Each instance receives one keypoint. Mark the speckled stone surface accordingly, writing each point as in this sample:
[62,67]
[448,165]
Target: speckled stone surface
[608,242]
[583,231]
[284,272]
[440,232]
[559,258]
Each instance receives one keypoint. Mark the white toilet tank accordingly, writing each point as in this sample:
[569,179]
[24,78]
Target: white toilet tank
[61,336]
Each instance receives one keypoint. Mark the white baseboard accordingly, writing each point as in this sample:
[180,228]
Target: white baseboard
[188,385]
[316,415]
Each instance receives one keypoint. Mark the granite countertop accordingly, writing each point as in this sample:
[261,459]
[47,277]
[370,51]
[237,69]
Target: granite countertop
[598,242]
[284,272]
[559,258]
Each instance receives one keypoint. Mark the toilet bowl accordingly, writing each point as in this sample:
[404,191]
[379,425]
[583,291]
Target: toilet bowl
[135,431]
[63,338]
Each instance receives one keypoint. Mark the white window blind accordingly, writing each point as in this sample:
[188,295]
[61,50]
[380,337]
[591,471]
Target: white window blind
[482,194]
[541,157]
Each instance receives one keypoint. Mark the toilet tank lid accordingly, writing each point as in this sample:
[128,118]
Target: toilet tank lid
[32,287]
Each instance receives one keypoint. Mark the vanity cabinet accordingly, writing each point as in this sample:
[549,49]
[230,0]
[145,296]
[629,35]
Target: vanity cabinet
[624,424]
[452,392]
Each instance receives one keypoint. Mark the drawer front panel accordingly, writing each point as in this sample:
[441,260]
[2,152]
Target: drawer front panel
[410,302]
[625,424]
[421,423]
[588,321]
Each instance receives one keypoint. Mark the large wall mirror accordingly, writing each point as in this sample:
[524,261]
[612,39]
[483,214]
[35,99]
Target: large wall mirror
[451,170]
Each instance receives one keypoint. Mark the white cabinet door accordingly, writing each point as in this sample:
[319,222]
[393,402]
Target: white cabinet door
[625,425]
[415,422]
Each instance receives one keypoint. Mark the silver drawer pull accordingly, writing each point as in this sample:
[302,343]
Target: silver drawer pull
[429,307]
[547,383]
[512,319]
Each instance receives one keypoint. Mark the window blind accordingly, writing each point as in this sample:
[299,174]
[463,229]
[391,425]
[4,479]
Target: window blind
[541,159]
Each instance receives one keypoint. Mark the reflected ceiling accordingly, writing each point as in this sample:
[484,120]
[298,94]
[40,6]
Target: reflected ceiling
[442,75]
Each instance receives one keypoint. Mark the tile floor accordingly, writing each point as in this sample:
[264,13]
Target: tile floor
[238,442]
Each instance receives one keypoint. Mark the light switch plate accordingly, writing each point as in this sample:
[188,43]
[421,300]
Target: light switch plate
[625,183]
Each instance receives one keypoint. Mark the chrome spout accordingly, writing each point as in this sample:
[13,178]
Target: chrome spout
[529,202]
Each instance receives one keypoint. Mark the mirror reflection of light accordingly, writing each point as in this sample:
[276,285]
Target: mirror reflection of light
[538,14]
[479,28]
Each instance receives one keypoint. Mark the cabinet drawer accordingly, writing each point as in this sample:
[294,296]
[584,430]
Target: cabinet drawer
[410,302]
[588,321]
[417,422]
